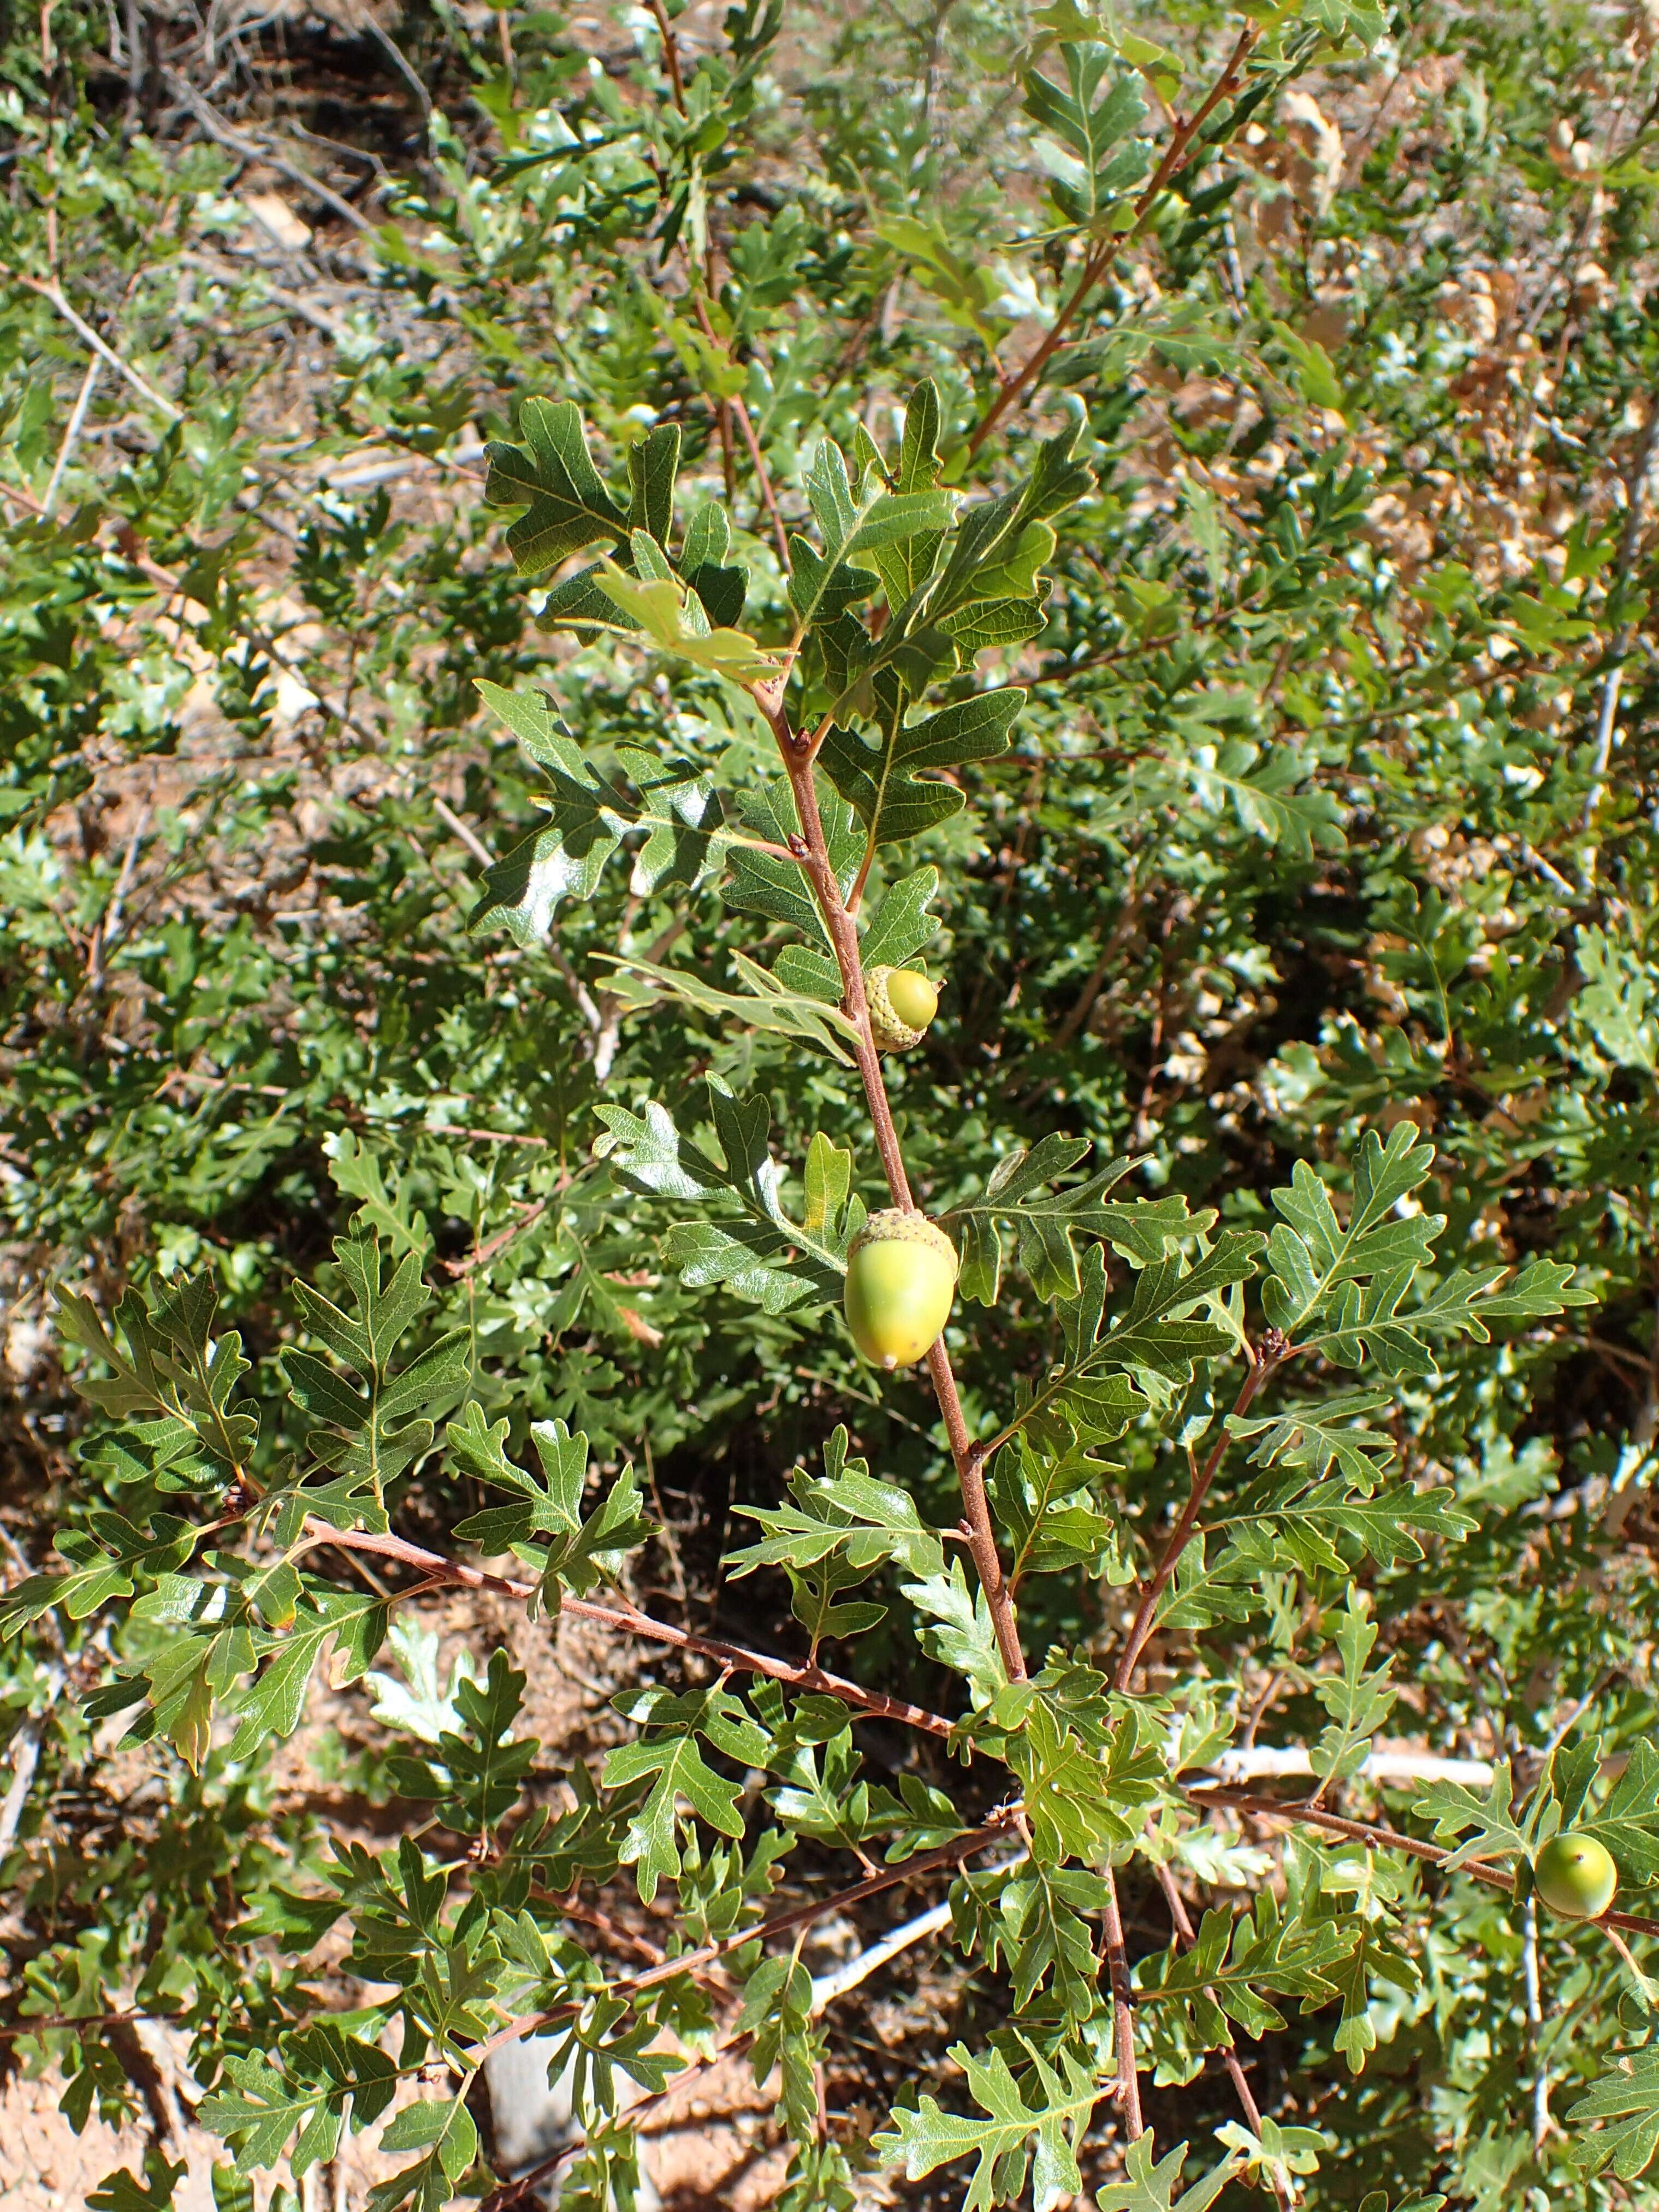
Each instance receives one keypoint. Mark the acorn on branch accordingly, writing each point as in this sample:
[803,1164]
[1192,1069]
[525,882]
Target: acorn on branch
[1576,1877]
[902,1003]
[900,1285]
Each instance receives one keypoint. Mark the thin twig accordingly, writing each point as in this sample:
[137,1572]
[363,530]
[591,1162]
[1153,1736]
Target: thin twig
[331,706]
[763,474]
[1540,2084]
[1641,1980]
[728,467]
[726,408]
[531,2186]
[217,128]
[53,295]
[526,2188]
[1273,1352]
[1593,208]
[69,2023]
[290,302]
[444,812]
[1186,1937]
[1101,258]
[489,1136]
[826,1988]
[108,930]
[398,59]
[1356,160]
[671,54]
[1575,1713]
[482,1255]
[734,1658]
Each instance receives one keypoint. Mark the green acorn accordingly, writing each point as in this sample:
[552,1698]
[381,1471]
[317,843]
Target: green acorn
[900,1285]
[1576,1877]
[902,1004]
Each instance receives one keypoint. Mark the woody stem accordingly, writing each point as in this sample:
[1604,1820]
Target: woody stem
[814,858]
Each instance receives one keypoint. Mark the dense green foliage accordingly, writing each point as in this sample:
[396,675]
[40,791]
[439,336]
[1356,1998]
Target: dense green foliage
[1143,514]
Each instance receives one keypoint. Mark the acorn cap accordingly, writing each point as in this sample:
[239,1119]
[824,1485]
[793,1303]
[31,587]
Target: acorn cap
[892,1033]
[894,1225]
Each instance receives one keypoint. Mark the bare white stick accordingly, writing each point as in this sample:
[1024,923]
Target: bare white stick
[24,1757]
[53,293]
[826,1988]
[109,929]
[1604,720]
[1540,2083]
[216,127]
[71,436]
[1636,487]
[1379,1766]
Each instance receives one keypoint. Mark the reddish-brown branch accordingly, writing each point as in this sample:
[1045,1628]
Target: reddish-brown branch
[1390,1840]
[780,536]
[626,1621]
[814,857]
[671,54]
[1123,2012]
[782,1924]
[590,1917]
[763,474]
[482,1255]
[1101,259]
[728,466]
[1000,1827]
[1180,1534]
[725,409]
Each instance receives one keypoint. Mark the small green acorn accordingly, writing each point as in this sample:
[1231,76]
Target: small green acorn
[1576,1877]
[900,1285]
[902,1004]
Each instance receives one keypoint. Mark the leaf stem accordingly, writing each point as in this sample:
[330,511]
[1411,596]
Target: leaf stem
[814,856]
[1644,1987]
[856,894]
